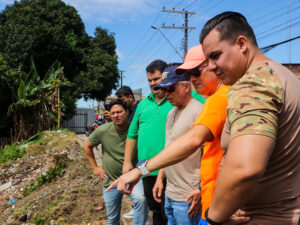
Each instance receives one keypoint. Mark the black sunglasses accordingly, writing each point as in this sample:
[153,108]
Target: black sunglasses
[170,89]
[195,72]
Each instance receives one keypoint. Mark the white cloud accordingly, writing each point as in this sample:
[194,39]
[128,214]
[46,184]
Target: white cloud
[119,54]
[107,11]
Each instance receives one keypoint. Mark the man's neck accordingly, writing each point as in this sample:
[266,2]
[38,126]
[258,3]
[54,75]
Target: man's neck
[255,57]
[213,90]
[159,98]
[186,102]
[132,104]
[123,127]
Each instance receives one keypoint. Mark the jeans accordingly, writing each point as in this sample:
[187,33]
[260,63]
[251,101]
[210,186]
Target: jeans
[159,217]
[113,200]
[202,222]
[177,213]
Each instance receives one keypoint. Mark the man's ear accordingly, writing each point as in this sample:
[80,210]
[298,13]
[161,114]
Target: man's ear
[242,42]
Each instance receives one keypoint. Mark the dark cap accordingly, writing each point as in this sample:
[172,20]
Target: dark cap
[169,78]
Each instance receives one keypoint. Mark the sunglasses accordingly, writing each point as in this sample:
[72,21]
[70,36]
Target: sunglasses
[195,72]
[170,89]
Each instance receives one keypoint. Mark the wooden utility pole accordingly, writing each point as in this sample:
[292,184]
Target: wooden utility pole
[185,27]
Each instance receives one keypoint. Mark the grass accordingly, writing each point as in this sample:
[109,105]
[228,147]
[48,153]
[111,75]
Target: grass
[11,152]
[18,150]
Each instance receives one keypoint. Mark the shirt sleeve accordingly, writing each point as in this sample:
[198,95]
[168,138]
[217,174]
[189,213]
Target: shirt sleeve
[213,114]
[95,137]
[254,104]
[134,125]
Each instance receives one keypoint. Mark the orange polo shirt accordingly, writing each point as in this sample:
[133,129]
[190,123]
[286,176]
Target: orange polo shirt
[213,116]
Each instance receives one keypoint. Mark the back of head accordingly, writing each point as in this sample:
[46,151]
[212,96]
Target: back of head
[124,91]
[230,25]
[156,65]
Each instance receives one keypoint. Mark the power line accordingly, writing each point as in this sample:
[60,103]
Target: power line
[272,28]
[269,47]
[262,8]
[276,32]
[186,27]
[276,17]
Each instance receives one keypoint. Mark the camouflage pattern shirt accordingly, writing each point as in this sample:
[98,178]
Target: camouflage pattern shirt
[266,101]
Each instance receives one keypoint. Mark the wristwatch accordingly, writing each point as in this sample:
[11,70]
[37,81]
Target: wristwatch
[210,221]
[141,165]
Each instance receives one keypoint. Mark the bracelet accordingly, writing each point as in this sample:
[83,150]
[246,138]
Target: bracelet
[210,221]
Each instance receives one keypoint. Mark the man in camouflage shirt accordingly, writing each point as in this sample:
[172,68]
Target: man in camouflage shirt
[261,170]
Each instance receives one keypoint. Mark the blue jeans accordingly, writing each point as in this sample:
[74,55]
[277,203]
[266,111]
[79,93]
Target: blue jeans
[113,200]
[177,213]
[202,222]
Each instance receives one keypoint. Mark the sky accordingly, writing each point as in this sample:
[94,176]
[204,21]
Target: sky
[138,44]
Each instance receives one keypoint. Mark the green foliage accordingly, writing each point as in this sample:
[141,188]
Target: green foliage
[6,87]
[102,73]
[18,150]
[51,30]
[11,152]
[49,176]
[69,108]
[46,30]
[38,220]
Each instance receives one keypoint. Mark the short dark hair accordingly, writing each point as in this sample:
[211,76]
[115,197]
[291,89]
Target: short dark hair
[124,91]
[230,25]
[156,65]
[174,64]
[117,102]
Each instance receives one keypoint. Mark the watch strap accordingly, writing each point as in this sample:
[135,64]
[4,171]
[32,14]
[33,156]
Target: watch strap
[210,221]
[143,169]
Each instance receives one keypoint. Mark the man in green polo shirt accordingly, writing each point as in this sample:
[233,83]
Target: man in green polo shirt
[147,131]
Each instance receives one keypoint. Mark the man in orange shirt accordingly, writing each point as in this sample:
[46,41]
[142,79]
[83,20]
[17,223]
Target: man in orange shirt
[212,116]
[207,129]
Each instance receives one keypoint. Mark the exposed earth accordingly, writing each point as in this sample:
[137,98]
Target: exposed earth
[72,197]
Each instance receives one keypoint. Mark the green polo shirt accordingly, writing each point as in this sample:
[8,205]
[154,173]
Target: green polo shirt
[148,127]
[198,97]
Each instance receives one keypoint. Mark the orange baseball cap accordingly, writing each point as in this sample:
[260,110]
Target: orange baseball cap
[193,58]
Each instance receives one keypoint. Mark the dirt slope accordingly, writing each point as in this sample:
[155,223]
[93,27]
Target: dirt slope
[73,198]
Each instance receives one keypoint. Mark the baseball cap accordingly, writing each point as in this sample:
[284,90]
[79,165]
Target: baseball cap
[193,58]
[169,78]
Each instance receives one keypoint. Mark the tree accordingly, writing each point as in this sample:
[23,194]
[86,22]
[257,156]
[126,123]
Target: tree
[50,30]
[102,73]
[34,100]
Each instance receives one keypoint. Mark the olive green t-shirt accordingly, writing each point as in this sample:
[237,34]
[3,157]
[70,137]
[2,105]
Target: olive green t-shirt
[113,145]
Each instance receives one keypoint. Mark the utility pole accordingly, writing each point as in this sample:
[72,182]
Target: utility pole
[185,27]
[121,71]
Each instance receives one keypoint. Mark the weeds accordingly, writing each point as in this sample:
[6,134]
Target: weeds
[57,171]
[11,152]
[38,220]
[18,149]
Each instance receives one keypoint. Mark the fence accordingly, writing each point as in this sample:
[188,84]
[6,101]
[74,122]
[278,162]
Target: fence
[84,117]
[4,141]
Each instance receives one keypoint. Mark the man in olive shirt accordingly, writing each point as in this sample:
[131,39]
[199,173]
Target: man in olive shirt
[112,136]
[147,132]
